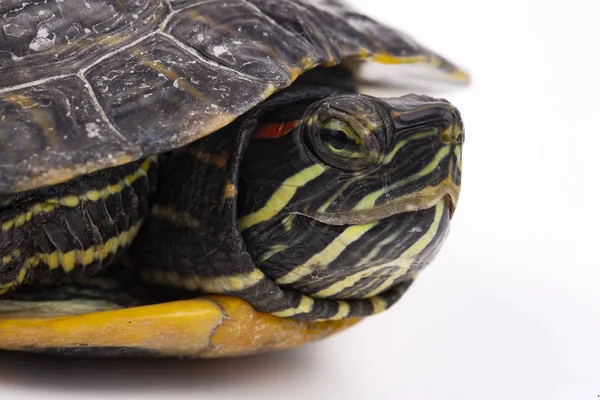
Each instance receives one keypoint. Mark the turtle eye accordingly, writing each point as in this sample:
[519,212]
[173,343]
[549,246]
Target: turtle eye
[341,140]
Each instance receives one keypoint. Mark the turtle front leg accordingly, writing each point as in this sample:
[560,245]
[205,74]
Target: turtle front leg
[72,229]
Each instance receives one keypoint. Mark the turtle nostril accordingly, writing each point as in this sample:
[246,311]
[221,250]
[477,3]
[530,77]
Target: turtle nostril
[446,136]
[453,134]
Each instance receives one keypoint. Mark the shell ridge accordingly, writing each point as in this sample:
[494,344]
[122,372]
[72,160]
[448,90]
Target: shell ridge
[277,24]
[34,83]
[100,110]
[200,57]
[172,13]
[122,49]
[169,6]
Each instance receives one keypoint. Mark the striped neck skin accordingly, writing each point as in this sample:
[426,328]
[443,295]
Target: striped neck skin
[351,195]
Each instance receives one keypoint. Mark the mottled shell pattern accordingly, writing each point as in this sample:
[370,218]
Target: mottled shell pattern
[89,84]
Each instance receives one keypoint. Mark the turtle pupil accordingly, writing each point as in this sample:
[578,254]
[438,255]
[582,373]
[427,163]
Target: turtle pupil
[338,140]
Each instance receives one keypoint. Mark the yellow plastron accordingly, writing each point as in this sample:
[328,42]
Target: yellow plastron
[211,326]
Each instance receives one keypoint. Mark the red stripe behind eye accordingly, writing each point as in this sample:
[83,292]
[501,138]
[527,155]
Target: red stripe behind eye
[272,130]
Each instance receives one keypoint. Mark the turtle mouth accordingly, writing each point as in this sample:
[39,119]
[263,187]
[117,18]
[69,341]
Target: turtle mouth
[447,192]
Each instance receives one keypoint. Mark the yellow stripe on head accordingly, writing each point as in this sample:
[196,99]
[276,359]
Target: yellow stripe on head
[327,255]
[281,197]
[349,281]
[458,155]
[406,259]
[368,202]
[421,135]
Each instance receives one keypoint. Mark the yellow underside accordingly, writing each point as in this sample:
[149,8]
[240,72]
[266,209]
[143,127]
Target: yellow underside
[211,326]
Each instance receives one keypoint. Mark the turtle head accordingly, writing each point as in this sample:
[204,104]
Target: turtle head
[350,195]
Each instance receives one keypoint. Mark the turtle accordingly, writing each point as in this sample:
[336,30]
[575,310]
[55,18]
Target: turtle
[204,178]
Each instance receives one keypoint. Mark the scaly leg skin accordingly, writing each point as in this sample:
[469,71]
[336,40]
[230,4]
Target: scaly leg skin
[74,229]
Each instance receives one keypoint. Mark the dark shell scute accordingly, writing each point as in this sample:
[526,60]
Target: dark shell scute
[41,38]
[156,92]
[242,37]
[349,36]
[53,123]
[309,23]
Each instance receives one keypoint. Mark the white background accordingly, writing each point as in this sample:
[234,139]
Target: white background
[511,307]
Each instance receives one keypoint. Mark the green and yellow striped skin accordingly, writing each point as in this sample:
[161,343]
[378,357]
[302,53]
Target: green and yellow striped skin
[192,148]
[309,234]
[72,229]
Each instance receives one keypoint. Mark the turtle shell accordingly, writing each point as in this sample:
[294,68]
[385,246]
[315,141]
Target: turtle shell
[86,86]
[95,84]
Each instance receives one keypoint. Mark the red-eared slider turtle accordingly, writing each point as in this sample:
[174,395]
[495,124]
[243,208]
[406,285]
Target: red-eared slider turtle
[201,177]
